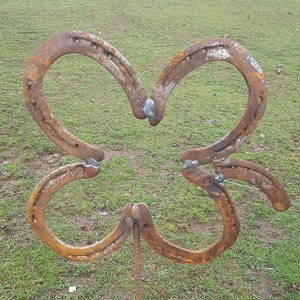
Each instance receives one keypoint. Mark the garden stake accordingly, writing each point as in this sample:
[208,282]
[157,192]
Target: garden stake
[137,217]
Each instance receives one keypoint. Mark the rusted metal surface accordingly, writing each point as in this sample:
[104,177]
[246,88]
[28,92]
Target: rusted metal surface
[137,217]
[38,203]
[197,55]
[137,257]
[90,46]
[181,255]
[257,176]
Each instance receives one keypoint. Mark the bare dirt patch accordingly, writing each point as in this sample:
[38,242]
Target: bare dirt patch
[209,228]
[263,286]
[123,152]
[267,232]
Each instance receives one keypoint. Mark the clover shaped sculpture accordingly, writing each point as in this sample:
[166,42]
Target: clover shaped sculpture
[137,216]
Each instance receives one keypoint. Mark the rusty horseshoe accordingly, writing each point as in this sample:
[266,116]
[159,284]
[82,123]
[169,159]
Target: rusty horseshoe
[90,46]
[231,225]
[257,176]
[38,202]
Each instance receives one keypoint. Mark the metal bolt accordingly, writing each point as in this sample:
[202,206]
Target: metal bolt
[193,164]
[219,178]
[148,108]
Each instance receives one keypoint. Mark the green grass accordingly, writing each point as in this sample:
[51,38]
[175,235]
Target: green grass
[142,163]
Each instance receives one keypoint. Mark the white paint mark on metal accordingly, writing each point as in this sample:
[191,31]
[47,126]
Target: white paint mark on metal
[219,54]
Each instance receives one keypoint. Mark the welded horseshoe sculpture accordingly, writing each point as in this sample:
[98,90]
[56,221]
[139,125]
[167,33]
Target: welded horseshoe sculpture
[187,60]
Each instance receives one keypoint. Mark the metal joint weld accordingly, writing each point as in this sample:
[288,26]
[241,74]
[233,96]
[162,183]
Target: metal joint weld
[191,164]
[148,108]
[219,178]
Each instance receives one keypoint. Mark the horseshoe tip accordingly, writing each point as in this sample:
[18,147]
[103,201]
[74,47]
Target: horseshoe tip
[279,206]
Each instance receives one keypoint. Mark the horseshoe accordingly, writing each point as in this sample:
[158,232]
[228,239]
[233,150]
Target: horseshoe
[257,176]
[196,55]
[181,255]
[38,202]
[90,46]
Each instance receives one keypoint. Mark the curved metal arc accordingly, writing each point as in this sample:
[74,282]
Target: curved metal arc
[186,256]
[90,46]
[257,176]
[36,209]
[197,55]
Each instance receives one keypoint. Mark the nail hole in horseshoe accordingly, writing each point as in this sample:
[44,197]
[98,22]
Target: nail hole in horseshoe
[247,128]
[76,145]
[146,226]
[94,45]
[75,39]
[33,219]
[29,84]
[107,53]
[35,203]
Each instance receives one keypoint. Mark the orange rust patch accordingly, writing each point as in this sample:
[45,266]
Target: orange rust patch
[258,75]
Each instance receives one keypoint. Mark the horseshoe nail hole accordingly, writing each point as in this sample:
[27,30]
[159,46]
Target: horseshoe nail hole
[94,45]
[146,226]
[107,53]
[43,120]
[33,219]
[75,39]
[247,128]
[76,145]
[262,96]
[29,84]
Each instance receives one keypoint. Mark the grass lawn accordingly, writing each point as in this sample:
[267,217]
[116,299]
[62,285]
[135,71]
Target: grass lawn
[142,162]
